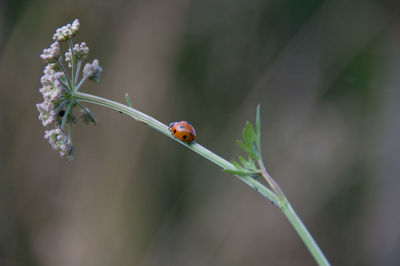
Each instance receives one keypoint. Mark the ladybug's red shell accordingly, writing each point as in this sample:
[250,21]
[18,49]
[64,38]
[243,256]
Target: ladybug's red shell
[183,131]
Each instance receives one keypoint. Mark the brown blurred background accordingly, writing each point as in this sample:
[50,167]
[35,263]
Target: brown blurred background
[326,74]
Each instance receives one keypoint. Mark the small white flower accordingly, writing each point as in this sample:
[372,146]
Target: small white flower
[52,53]
[67,32]
[50,93]
[58,141]
[75,26]
[46,113]
[80,52]
[93,70]
[50,75]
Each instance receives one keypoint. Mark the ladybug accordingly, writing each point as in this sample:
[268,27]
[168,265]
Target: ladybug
[183,131]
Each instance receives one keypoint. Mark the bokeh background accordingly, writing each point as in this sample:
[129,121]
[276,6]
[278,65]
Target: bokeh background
[327,76]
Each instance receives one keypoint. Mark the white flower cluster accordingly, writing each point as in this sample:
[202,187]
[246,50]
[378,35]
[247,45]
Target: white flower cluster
[59,88]
[80,51]
[51,91]
[58,141]
[52,53]
[67,32]
[93,70]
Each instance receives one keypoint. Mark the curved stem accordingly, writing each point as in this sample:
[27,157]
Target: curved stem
[296,222]
[66,114]
[304,234]
[84,78]
[272,183]
[157,125]
[70,133]
[276,196]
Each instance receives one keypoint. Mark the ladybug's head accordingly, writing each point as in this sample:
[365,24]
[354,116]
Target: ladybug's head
[172,124]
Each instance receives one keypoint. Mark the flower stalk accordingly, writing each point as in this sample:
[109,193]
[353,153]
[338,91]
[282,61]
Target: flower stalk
[162,128]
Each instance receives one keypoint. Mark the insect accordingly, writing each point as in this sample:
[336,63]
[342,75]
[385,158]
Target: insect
[183,131]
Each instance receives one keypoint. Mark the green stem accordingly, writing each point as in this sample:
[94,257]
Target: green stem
[278,199]
[69,133]
[71,46]
[84,78]
[66,113]
[296,222]
[157,125]
[272,183]
[304,234]
[60,64]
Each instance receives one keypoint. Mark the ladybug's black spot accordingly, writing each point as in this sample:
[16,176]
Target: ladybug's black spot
[61,113]
[174,130]
[182,126]
[184,137]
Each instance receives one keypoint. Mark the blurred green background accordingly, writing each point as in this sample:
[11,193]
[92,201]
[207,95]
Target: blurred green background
[326,74]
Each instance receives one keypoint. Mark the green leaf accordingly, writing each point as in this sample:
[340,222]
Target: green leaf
[246,138]
[255,153]
[242,160]
[251,145]
[243,146]
[239,172]
[237,165]
[251,133]
[248,164]
[251,162]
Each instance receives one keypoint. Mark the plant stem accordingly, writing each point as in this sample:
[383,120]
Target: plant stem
[304,234]
[272,183]
[157,125]
[71,46]
[66,114]
[60,64]
[296,222]
[84,78]
[278,198]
